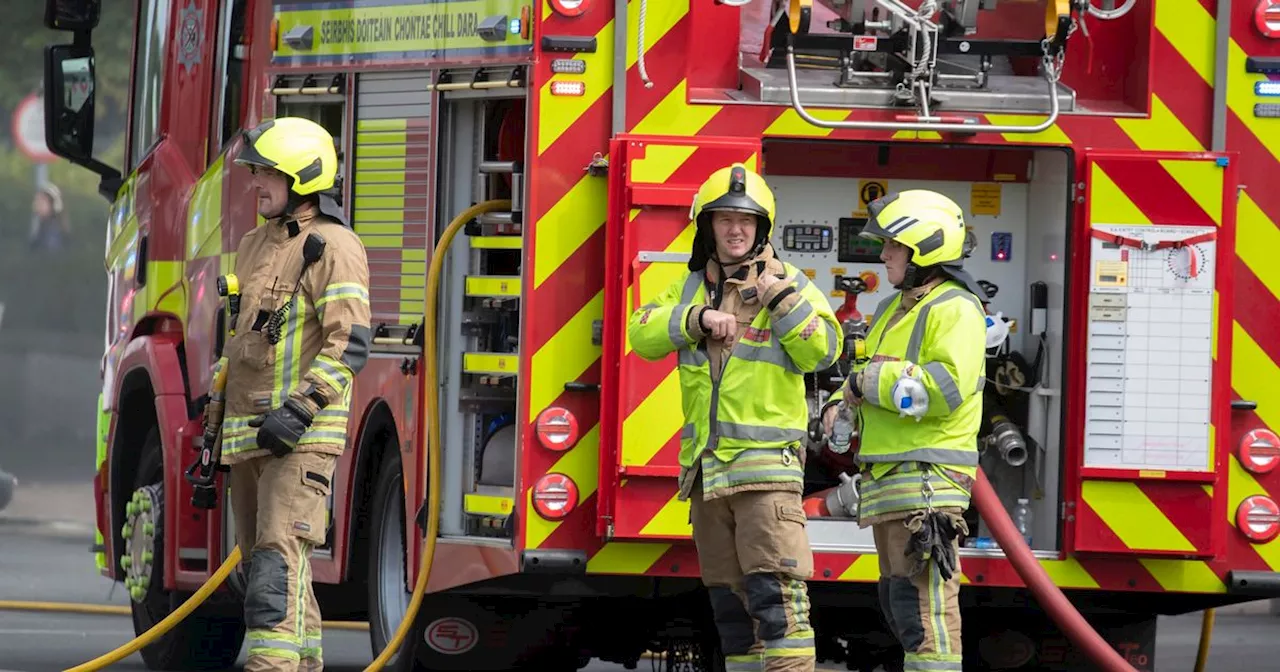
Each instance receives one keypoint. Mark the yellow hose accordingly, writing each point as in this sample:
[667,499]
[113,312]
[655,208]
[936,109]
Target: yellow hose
[433,426]
[169,621]
[433,491]
[1206,636]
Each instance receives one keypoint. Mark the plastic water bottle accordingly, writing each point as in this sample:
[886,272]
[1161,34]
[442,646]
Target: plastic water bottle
[842,429]
[1022,519]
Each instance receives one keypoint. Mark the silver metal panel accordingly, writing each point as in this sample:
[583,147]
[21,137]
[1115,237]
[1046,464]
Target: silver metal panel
[1004,93]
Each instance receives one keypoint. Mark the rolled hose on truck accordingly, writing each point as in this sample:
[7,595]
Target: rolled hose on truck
[429,356]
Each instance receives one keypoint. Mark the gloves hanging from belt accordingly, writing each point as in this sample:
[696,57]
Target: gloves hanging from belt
[933,534]
[280,430]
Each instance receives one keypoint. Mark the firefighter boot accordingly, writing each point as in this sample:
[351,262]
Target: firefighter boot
[280,506]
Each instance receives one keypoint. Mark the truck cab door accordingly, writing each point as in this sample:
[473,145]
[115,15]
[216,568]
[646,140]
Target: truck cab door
[1152,377]
[652,181]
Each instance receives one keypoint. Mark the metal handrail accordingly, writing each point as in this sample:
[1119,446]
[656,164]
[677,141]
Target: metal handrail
[1049,75]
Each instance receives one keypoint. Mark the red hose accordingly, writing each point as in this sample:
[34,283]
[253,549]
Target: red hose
[1060,609]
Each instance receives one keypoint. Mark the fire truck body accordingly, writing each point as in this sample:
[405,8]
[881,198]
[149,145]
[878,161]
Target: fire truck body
[1150,482]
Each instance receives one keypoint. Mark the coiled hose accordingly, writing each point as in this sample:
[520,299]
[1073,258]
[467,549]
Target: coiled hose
[429,356]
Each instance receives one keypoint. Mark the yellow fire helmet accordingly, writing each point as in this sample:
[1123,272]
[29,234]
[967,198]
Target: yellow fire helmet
[931,226]
[734,188]
[297,147]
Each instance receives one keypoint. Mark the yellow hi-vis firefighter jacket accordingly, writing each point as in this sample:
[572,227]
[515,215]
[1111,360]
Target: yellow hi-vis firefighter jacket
[323,338]
[944,335]
[744,423]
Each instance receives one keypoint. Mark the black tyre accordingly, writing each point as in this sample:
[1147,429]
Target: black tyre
[388,598]
[206,639]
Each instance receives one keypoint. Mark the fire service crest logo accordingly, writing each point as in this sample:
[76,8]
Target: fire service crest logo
[190,36]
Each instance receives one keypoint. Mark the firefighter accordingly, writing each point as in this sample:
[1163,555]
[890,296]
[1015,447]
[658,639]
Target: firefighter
[919,405]
[301,336]
[746,327]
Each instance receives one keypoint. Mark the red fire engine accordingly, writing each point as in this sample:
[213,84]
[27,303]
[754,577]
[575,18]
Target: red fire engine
[1113,159]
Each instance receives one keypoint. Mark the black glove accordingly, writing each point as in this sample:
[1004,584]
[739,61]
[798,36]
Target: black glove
[281,429]
[933,541]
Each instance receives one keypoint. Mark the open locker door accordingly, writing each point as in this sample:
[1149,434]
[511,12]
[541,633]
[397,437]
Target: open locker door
[1153,395]
[652,181]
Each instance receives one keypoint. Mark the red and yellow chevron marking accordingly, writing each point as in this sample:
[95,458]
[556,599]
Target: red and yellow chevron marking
[566,280]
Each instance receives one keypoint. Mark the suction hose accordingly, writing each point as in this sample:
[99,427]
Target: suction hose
[433,484]
[1046,592]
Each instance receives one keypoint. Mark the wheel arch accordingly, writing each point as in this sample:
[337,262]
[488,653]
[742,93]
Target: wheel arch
[379,440]
[151,393]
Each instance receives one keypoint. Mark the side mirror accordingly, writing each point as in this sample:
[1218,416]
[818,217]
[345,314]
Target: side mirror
[69,101]
[72,15]
[69,95]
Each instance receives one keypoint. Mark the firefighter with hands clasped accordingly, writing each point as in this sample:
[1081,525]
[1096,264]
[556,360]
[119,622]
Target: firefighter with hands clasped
[918,399]
[746,327]
[300,336]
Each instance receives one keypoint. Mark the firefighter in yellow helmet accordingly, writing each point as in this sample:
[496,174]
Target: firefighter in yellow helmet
[919,402]
[746,327]
[301,335]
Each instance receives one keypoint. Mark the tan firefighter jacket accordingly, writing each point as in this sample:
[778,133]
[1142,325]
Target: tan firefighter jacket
[323,334]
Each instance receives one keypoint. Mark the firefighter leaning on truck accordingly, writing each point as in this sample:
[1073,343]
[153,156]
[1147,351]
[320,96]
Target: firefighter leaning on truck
[746,327]
[918,398]
[301,335]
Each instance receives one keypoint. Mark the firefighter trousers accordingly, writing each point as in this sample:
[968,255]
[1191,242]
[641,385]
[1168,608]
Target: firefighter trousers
[922,610]
[281,510]
[754,553]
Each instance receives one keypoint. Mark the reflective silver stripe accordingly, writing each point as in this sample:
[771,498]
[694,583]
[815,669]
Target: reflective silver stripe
[956,456]
[917,330]
[272,643]
[881,308]
[772,353]
[675,326]
[733,430]
[690,289]
[982,383]
[692,357]
[871,383]
[930,665]
[947,384]
[689,431]
[784,643]
[798,315]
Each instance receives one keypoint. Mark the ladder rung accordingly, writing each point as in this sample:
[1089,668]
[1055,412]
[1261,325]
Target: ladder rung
[488,505]
[489,218]
[493,285]
[497,242]
[499,167]
[491,363]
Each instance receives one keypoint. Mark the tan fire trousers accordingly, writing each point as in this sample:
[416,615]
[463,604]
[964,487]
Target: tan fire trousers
[922,610]
[280,507]
[754,553]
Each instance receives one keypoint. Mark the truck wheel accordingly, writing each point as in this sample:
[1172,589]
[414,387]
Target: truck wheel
[202,641]
[388,599]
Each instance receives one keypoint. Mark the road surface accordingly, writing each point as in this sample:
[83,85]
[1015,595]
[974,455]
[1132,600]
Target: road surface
[51,563]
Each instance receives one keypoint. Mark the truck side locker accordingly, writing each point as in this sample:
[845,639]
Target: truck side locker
[1151,414]
[652,182]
